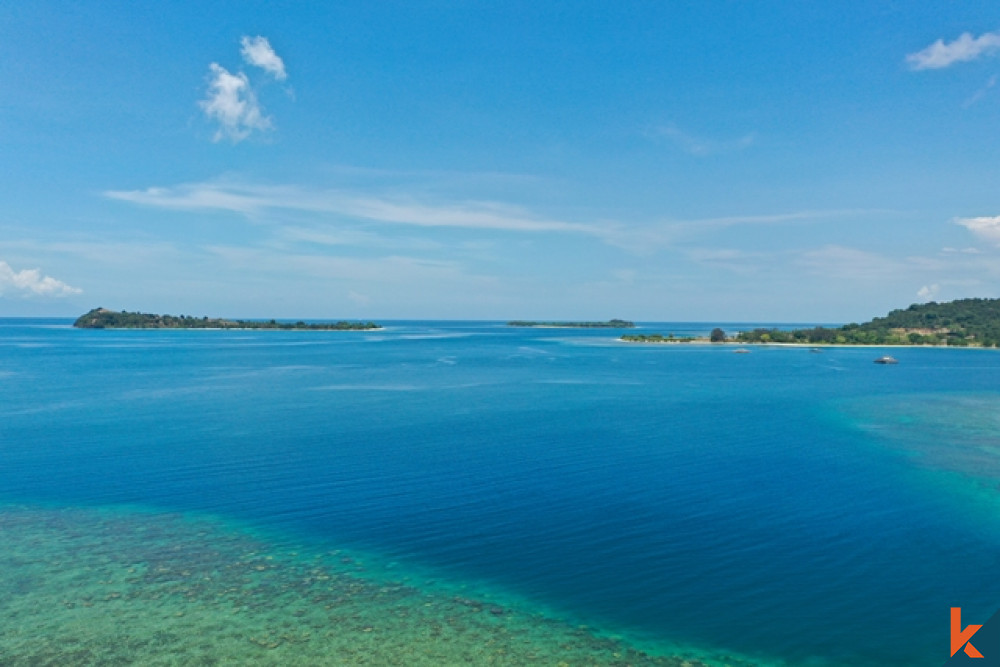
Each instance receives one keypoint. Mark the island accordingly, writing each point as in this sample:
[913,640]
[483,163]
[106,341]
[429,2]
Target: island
[610,324]
[960,323]
[658,338]
[102,318]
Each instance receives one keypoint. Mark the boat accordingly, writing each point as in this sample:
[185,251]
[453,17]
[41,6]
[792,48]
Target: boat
[886,360]
[742,350]
[815,349]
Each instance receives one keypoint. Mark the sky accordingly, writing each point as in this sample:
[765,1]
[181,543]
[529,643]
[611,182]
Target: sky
[654,161]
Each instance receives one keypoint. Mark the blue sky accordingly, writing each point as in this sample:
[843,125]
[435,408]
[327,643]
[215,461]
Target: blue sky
[722,161]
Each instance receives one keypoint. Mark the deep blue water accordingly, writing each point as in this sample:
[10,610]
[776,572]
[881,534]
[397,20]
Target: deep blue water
[760,503]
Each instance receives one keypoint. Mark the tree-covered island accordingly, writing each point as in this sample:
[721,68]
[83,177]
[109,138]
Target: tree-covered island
[657,338]
[610,324]
[102,318]
[961,323]
[717,336]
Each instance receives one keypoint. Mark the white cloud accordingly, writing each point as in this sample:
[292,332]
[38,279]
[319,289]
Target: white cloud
[232,102]
[255,200]
[928,292]
[472,214]
[257,51]
[32,282]
[965,48]
[984,227]
[231,99]
[330,235]
[328,210]
[198,197]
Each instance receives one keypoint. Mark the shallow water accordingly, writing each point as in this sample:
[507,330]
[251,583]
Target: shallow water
[98,587]
[781,507]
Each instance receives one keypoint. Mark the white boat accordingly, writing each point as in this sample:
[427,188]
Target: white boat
[886,360]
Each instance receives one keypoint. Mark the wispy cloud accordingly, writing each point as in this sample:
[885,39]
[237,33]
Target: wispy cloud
[258,199]
[402,272]
[841,262]
[257,51]
[966,251]
[846,264]
[979,94]
[646,239]
[325,236]
[941,54]
[98,251]
[327,215]
[31,282]
[738,261]
[202,196]
[986,227]
[231,99]
[700,146]
[773,218]
[470,214]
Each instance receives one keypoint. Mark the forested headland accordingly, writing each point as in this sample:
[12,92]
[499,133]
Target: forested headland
[962,323]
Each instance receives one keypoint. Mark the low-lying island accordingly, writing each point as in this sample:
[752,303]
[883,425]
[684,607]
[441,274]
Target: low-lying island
[102,318]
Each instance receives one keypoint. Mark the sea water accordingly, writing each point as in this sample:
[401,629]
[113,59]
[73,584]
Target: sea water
[471,493]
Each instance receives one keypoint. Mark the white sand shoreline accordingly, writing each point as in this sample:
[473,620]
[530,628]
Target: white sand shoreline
[732,343]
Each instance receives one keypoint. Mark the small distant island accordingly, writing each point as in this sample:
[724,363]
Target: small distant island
[102,318]
[660,338]
[960,323]
[610,324]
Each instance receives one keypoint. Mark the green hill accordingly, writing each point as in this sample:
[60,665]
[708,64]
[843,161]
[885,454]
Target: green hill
[965,322]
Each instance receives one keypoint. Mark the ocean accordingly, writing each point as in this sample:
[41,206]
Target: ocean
[470,493]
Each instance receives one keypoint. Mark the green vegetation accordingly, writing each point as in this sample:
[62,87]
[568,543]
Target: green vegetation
[610,324]
[654,338]
[966,322]
[102,318]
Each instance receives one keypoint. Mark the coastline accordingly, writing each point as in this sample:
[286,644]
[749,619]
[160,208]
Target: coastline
[559,326]
[378,328]
[705,341]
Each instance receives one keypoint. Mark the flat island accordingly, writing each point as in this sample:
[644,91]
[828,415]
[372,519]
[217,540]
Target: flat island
[610,324]
[660,338]
[960,323]
[102,318]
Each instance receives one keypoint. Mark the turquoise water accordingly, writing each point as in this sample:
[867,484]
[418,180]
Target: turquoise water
[778,507]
